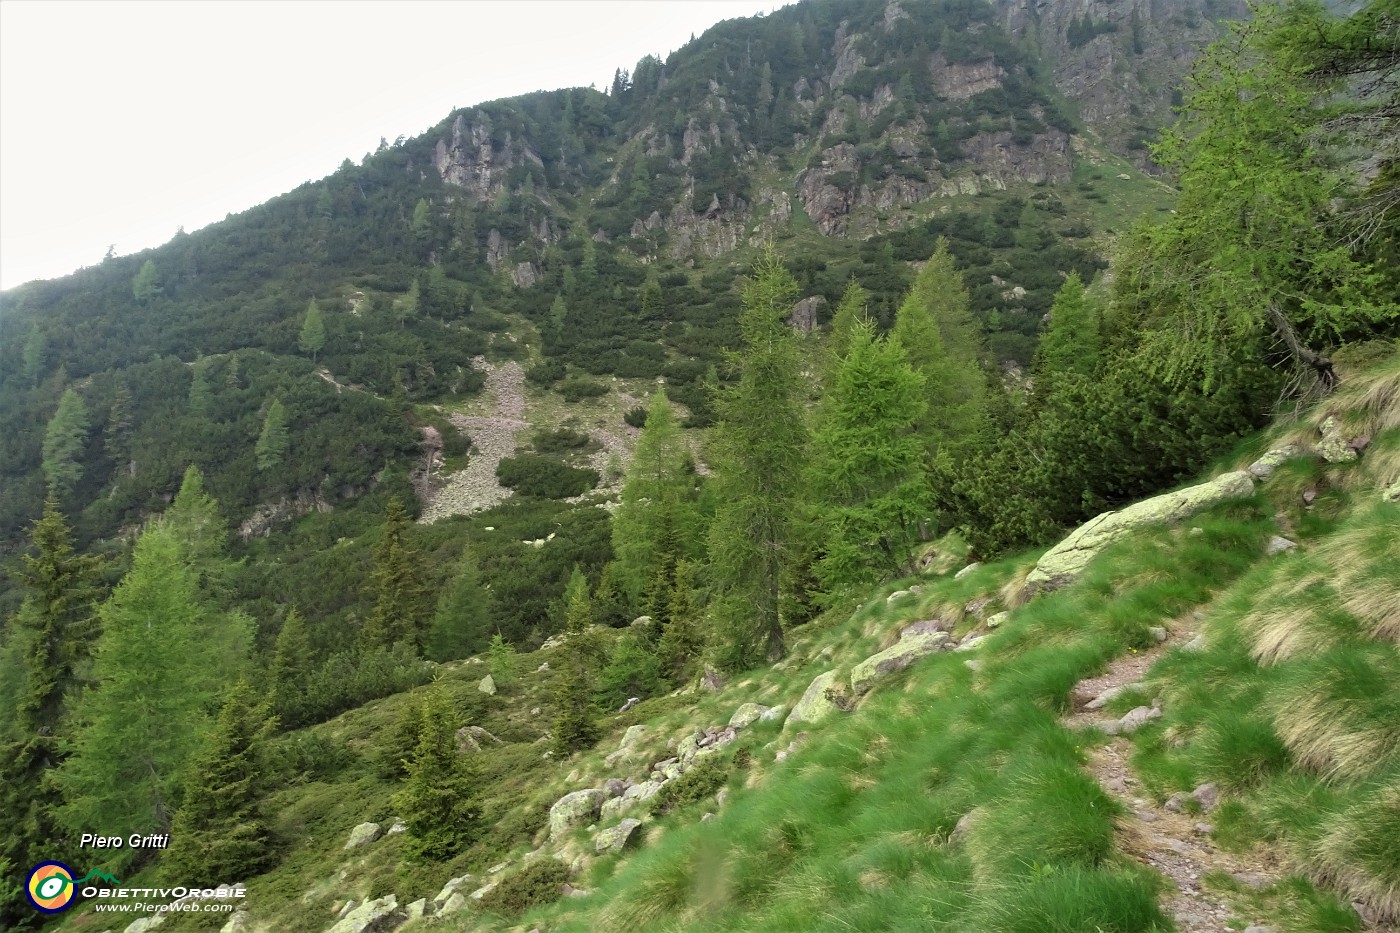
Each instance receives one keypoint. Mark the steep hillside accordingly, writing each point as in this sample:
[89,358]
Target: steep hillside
[1198,733]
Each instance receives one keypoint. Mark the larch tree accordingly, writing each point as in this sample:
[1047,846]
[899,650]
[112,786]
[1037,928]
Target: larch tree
[759,445]
[290,672]
[1071,343]
[850,311]
[463,615]
[145,285]
[313,331]
[656,523]
[868,476]
[271,448]
[65,439]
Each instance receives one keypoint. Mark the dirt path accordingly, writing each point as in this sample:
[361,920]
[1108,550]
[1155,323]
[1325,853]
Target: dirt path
[1169,839]
[474,488]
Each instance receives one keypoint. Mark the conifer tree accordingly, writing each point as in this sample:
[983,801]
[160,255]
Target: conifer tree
[50,635]
[652,301]
[682,640]
[438,803]
[161,658]
[400,601]
[849,313]
[759,445]
[35,352]
[271,448]
[313,331]
[463,614]
[1070,345]
[502,661]
[218,832]
[116,433]
[146,284]
[64,440]
[574,724]
[868,475]
[291,670]
[937,332]
[656,523]
[201,396]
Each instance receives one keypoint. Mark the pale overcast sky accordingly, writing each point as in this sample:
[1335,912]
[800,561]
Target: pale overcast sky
[123,121]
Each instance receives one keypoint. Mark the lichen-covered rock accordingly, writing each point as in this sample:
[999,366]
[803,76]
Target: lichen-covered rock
[1277,545]
[1132,720]
[924,627]
[997,619]
[487,685]
[685,751]
[454,904]
[1064,562]
[1392,492]
[630,737]
[616,838]
[370,917]
[712,680]
[1265,466]
[416,910]
[362,835]
[896,658]
[615,787]
[615,807]
[575,809]
[1334,446]
[451,887]
[643,791]
[775,714]
[816,704]
[747,715]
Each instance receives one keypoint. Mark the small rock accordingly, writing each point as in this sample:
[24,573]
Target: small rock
[362,835]
[367,915]
[487,686]
[497,868]
[631,702]
[1203,829]
[706,817]
[1195,645]
[617,837]
[397,827]
[1158,633]
[482,891]
[544,666]
[971,642]
[1176,802]
[996,620]
[574,809]
[457,902]
[1111,694]
[415,910]
[975,607]
[1277,545]
[967,570]
[747,715]
[973,664]
[896,595]
[1147,816]
[535,711]
[712,680]
[796,743]
[1136,718]
[1251,879]
[1196,532]
[451,887]
[721,796]
[1208,796]
[573,891]
[641,621]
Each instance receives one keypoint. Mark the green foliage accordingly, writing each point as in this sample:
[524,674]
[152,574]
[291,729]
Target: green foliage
[578,388]
[438,803]
[64,441]
[313,331]
[401,607]
[272,441]
[869,486]
[705,777]
[503,662]
[218,829]
[161,658]
[145,285]
[1071,344]
[574,724]
[632,671]
[290,672]
[539,882]
[682,639]
[849,313]
[533,475]
[35,353]
[657,522]
[758,449]
[463,614]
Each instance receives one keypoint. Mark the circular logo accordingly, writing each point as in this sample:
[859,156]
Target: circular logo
[50,887]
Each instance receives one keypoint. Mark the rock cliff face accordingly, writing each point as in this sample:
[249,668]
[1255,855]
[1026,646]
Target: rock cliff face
[473,158]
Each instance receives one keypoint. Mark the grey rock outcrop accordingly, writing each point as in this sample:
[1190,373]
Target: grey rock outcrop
[576,809]
[376,916]
[896,658]
[617,838]
[817,703]
[1264,467]
[487,685]
[747,715]
[1064,562]
[362,835]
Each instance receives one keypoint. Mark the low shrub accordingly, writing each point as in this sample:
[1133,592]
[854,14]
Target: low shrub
[532,475]
[539,882]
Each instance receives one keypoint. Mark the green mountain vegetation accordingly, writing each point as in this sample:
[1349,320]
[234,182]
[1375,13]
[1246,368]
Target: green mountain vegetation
[590,475]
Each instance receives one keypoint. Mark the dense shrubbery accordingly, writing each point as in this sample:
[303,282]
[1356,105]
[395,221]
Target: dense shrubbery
[531,475]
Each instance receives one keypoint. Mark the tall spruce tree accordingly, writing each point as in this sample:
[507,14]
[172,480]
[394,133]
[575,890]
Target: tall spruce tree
[868,477]
[463,615]
[438,802]
[656,523]
[401,607]
[574,724]
[759,445]
[50,635]
[64,441]
[219,832]
[682,641]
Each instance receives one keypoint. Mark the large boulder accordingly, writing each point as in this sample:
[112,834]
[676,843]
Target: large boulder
[370,917]
[747,715]
[487,685]
[616,838]
[896,658]
[817,703]
[575,809]
[362,835]
[1335,447]
[1064,562]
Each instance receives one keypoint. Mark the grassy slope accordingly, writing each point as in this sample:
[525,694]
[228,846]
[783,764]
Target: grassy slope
[1294,709]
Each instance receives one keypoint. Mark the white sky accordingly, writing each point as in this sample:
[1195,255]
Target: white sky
[122,121]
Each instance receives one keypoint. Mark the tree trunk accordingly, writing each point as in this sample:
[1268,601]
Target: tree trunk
[1320,364]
